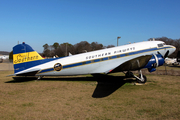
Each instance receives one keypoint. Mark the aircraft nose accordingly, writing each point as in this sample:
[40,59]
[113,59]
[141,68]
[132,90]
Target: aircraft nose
[173,49]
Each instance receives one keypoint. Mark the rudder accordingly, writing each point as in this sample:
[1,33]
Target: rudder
[24,57]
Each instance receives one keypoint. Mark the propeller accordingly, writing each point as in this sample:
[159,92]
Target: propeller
[166,54]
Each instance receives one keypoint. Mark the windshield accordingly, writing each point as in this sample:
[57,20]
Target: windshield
[161,45]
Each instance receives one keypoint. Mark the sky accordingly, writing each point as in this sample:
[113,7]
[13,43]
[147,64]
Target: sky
[37,22]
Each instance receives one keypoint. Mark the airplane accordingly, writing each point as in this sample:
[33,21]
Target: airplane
[4,57]
[173,61]
[125,58]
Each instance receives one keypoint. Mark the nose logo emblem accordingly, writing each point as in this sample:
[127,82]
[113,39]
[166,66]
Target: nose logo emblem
[57,67]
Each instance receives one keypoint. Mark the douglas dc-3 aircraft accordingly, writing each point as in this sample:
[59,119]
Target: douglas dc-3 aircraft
[126,58]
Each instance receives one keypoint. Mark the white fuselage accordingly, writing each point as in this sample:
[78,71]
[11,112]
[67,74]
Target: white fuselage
[100,61]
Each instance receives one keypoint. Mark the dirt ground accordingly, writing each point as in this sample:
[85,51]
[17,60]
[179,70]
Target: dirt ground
[109,97]
[6,66]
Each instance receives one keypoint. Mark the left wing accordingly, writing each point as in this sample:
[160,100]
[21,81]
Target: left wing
[134,64]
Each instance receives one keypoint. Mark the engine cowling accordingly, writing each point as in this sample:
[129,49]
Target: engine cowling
[155,61]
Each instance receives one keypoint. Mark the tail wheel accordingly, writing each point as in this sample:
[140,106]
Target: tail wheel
[144,79]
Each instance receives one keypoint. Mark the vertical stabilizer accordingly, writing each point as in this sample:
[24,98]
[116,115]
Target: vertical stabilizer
[24,57]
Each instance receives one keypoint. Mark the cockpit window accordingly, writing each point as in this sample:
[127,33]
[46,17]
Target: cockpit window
[161,45]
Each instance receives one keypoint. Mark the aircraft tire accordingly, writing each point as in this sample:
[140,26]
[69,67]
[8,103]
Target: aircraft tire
[139,81]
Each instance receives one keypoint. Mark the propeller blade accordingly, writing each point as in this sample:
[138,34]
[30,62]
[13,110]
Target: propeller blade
[167,53]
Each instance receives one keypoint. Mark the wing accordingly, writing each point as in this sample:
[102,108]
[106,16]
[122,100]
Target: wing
[134,64]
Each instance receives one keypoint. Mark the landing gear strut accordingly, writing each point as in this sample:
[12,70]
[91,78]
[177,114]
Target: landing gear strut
[40,77]
[140,79]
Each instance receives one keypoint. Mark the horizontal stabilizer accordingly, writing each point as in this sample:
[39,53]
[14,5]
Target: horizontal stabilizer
[32,73]
[26,73]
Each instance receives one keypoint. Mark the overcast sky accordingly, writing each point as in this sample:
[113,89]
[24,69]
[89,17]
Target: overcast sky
[38,22]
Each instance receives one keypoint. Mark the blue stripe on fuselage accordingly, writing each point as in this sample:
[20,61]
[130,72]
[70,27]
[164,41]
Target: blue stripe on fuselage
[94,60]
[111,57]
[26,65]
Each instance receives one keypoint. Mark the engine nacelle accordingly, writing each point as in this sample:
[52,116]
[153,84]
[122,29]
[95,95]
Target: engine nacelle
[155,61]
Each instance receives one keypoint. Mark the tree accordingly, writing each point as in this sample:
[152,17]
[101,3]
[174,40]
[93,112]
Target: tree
[11,55]
[96,46]
[64,49]
[56,45]
[110,46]
[46,51]
[81,47]
[59,52]
[46,46]
[178,44]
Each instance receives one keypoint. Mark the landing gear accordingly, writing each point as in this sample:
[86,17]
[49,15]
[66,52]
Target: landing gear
[40,77]
[129,74]
[140,79]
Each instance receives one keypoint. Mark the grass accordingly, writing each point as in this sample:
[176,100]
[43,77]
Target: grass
[169,67]
[71,98]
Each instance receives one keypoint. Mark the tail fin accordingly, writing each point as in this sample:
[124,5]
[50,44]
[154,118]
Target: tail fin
[24,57]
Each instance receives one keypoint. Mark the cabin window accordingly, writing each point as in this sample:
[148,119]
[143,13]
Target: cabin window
[160,45]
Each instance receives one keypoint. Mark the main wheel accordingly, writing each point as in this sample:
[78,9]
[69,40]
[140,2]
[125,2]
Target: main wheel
[144,79]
